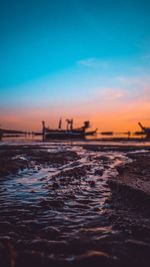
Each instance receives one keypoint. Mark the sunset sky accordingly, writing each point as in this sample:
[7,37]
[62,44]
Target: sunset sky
[86,59]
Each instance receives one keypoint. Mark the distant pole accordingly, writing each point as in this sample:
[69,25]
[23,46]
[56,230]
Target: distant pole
[43,124]
[129,134]
[59,125]
[67,124]
[71,124]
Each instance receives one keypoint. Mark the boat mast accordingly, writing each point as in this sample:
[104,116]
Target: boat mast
[69,124]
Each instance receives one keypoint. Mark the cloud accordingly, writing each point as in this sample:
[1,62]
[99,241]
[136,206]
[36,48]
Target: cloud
[131,80]
[109,108]
[93,63]
[110,94]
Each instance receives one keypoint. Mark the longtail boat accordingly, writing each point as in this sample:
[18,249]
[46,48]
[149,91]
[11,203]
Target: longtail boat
[69,133]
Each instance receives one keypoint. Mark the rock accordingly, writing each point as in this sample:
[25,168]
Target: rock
[98,172]
[106,206]
[95,258]
[51,232]
[92,183]
[55,185]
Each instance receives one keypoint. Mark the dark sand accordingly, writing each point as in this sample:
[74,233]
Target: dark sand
[74,207]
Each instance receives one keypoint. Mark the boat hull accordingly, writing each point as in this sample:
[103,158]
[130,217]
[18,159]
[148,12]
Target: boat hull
[63,135]
[66,134]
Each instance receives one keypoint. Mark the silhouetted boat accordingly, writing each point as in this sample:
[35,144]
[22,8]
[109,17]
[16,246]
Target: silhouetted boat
[6,131]
[37,133]
[145,130]
[11,133]
[140,133]
[106,133]
[69,133]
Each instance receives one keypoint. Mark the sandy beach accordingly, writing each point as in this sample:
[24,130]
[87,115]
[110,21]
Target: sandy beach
[74,204]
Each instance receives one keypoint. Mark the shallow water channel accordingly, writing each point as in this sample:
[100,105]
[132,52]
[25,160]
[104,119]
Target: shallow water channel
[59,210]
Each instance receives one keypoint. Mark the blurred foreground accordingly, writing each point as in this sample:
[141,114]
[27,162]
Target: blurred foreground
[74,204]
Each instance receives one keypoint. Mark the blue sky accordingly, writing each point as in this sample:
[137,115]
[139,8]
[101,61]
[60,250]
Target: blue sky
[57,52]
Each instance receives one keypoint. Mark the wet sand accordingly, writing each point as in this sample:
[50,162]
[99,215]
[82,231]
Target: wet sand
[74,205]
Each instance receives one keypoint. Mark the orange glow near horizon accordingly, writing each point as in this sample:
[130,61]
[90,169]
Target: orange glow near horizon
[108,109]
[117,118]
[86,60]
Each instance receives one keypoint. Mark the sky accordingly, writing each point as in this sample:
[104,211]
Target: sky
[86,59]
